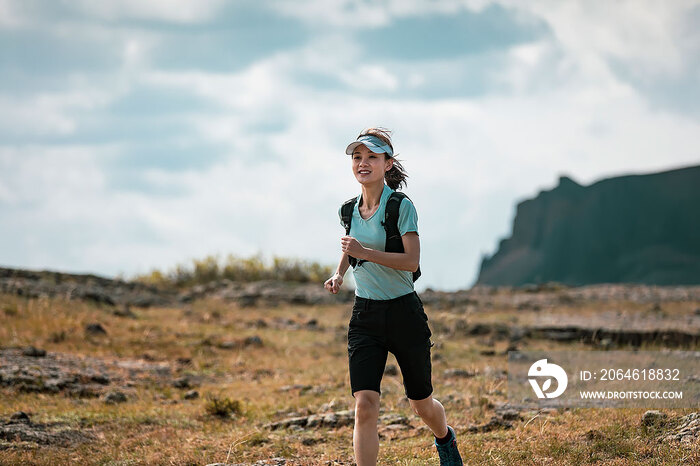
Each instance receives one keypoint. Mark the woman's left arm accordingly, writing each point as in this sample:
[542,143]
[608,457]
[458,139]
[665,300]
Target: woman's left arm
[407,260]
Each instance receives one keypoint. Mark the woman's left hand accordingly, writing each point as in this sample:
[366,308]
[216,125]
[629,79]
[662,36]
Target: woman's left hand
[352,247]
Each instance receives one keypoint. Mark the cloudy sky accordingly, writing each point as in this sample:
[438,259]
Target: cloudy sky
[137,134]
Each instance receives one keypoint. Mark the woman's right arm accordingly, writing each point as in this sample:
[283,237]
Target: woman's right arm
[333,284]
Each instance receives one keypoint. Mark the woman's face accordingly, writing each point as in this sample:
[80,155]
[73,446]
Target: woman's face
[369,167]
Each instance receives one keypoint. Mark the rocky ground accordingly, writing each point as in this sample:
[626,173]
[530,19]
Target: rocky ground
[34,370]
[89,366]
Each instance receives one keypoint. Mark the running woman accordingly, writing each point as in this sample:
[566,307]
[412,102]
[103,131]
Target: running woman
[387,314]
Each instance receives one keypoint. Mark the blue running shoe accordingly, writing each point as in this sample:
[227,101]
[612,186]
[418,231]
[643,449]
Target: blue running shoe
[449,454]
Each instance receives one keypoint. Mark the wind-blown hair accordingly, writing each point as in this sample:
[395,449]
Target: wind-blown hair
[396,177]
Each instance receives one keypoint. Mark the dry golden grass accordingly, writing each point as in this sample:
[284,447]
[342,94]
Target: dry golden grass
[157,426]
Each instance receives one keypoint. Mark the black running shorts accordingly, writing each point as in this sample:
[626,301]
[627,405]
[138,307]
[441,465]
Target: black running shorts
[399,325]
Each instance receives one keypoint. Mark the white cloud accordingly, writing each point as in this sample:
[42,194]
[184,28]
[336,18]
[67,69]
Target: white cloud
[650,37]
[370,78]
[49,178]
[358,14]
[178,11]
[9,17]
[51,113]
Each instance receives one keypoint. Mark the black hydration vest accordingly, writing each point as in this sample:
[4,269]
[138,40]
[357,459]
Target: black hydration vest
[390,224]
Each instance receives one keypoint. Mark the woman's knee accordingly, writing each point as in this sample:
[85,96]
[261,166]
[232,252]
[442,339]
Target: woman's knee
[423,407]
[366,405]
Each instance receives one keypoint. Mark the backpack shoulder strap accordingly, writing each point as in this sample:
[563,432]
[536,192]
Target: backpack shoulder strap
[346,216]
[394,243]
[346,213]
[391,222]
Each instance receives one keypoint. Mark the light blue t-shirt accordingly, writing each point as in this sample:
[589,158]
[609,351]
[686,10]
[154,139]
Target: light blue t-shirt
[374,281]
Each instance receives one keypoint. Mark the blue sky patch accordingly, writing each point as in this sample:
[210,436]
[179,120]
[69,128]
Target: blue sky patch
[439,36]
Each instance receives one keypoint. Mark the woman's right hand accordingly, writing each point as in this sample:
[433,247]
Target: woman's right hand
[333,284]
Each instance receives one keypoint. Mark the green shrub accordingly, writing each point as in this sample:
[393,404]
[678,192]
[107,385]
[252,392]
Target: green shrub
[222,406]
[242,269]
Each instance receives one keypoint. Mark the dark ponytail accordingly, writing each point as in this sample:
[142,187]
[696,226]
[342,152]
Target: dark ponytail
[396,177]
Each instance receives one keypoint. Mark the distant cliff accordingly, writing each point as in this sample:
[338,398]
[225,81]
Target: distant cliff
[629,229]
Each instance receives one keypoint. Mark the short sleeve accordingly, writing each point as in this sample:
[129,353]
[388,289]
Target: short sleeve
[340,216]
[408,217]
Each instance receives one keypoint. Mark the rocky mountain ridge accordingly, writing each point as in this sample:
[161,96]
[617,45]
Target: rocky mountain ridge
[628,229]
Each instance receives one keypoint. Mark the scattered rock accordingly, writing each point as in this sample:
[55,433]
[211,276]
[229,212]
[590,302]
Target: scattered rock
[393,418]
[315,420]
[654,418]
[304,389]
[182,382]
[328,406]
[20,416]
[95,328]
[259,323]
[448,373]
[308,441]
[495,423]
[511,415]
[396,427]
[517,333]
[312,324]
[336,419]
[33,352]
[20,430]
[253,341]
[100,379]
[510,411]
[114,397]
[318,390]
[297,386]
[241,343]
[687,430]
[330,420]
[191,395]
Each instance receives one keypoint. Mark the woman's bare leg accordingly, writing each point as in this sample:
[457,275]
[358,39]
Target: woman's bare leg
[433,414]
[365,438]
